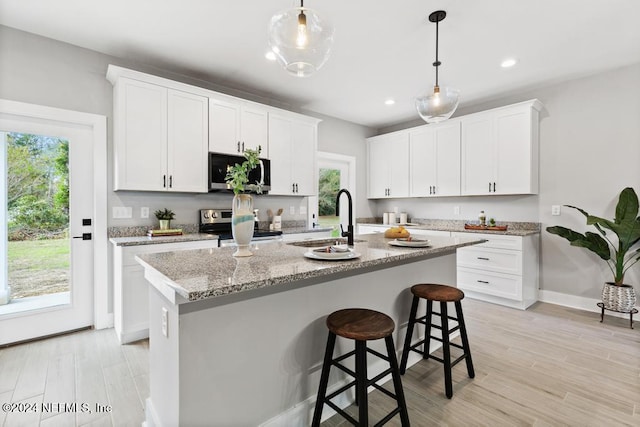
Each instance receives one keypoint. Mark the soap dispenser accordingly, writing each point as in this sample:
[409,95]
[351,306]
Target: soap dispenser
[482,218]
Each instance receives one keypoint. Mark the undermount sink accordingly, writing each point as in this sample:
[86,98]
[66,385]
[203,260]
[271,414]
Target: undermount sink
[313,243]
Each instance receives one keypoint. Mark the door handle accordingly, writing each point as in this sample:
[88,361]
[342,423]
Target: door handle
[164,181]
[170,181]
[85,236]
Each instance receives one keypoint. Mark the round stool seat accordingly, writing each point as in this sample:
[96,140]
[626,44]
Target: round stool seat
[360,324]
[442,293]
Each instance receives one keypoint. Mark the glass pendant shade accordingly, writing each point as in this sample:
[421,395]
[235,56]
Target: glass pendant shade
[439,105]
[300,40]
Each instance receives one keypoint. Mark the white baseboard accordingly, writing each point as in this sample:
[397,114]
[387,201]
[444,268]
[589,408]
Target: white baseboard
[573,301]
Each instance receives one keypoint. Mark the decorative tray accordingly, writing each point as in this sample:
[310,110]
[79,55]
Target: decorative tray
[485,227]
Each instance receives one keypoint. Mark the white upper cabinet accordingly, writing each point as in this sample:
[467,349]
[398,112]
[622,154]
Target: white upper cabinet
[292,151]
[160,138]
[188,142]
[434,157]
[500,150]
[388,171]
[235,125]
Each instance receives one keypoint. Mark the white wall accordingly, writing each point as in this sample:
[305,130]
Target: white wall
[589,151]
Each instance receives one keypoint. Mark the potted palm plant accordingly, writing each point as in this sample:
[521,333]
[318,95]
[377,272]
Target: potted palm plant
[164,217]
[242,218]
[620,253]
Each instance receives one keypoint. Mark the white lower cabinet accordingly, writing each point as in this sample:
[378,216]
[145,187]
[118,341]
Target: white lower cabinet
[504,270]
[130,288]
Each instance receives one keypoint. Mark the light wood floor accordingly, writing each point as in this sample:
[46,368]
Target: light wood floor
[547,366]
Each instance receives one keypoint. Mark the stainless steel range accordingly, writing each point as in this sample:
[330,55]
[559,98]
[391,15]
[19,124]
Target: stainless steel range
[218,221]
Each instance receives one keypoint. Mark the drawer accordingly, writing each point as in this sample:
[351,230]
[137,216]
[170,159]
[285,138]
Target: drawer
[497,284]
[497,260]
[497,241]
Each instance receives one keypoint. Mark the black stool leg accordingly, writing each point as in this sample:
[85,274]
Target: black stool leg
[427,330]
[324,380]
[407,338]
[361,382]
[446,351]
[465,340]
[397,383]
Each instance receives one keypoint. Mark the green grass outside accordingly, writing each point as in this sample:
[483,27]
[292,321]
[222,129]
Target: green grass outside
[38,254]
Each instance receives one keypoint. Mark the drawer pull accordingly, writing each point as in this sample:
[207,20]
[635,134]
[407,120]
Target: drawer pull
[483,258]
[483,281]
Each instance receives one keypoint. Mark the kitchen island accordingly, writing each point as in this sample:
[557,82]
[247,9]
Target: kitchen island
[239,342]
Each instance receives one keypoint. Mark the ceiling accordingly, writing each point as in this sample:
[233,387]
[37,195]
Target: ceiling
[382,49]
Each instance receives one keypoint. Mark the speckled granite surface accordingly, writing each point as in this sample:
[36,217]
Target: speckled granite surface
[208,273]
[513,228]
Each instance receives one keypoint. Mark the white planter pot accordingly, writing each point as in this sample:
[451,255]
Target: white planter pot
[618,298]
[242,223]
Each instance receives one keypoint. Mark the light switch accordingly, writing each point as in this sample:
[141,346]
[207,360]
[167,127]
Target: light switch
[120,212]
[555,210]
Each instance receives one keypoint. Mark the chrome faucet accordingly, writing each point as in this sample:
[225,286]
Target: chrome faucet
[349,233]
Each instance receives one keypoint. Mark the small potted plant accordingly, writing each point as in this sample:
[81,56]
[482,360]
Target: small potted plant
[242,219]
[164,217]
[620,255]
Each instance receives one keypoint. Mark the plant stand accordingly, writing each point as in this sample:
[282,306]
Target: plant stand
[631,313]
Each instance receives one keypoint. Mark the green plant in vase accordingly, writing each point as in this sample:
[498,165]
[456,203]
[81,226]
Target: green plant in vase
[620,253]
[242,219]
[164,217]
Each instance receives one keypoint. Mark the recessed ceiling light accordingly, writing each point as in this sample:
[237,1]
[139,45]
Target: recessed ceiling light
[509,62]
[389,102]
[271,56]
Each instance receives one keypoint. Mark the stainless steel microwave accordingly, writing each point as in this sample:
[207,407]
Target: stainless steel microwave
[218,164]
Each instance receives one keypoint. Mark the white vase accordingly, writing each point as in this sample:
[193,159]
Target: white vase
[242,223]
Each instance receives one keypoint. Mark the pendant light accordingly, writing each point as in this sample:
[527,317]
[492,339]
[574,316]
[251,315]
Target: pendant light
[439,105]
[300,40]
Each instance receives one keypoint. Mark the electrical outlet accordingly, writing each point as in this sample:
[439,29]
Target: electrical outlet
[292,210]
[120,212]
[144,212]
[165,322]
[555,210]
[456,210]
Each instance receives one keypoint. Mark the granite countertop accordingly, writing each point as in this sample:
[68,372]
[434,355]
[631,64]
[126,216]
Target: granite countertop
[513,228]
[207,273]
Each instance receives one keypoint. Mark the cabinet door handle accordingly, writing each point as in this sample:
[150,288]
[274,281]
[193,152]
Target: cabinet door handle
[483,281]
[170,181]
[483,258]
[494,187]
[164,181]
[243,146]
[293,187]
[434,189]
[296,187]
[239,149]
[489,187]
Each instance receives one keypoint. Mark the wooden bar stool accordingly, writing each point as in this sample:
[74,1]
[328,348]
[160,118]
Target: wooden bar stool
[361,325]
[442,294]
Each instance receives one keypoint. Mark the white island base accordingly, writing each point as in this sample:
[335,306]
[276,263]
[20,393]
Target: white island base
[254,358]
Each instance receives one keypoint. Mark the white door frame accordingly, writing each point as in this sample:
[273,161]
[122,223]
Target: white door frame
[98,124]
[323,156]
